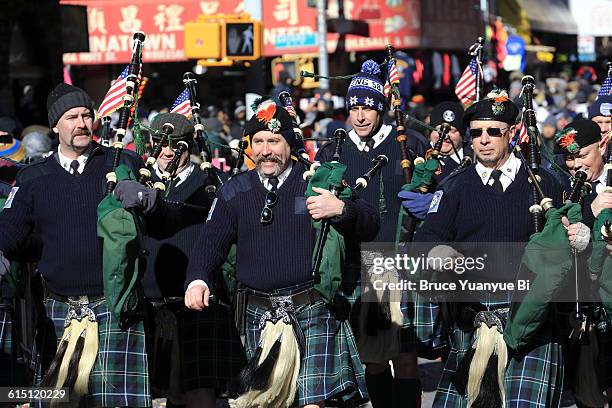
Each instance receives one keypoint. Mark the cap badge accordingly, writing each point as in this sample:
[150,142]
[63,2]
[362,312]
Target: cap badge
[448,116]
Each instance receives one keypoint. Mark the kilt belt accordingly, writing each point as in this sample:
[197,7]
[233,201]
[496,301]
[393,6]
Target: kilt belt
[78,349]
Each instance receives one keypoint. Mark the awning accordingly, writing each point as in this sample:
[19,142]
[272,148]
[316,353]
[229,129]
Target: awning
[549,15]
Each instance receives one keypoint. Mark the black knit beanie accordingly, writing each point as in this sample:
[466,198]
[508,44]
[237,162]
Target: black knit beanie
[65,97]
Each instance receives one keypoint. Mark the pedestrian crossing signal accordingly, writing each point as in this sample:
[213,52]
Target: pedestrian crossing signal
[242,40]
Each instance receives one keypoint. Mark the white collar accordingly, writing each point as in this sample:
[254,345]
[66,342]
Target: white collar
[281,177]
[454,157]
[602,180]
[509,170]
[182,176]
[379,137]
[65,161]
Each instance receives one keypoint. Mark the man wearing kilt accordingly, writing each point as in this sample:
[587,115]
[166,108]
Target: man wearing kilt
[306,352]
[489,204]
[380,341]
[192,353]
[57,199]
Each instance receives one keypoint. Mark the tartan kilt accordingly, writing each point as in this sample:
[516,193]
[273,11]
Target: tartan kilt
[120,375]
[534,381]
[211,350]
[331,368]
[424,329]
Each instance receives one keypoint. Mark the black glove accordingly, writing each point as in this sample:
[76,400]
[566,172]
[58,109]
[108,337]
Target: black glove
[132,194]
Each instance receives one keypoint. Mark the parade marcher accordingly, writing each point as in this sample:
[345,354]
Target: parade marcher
[489,203]
[370,137]
[600,112]
[579,143]
[192,354]
[57,198]
[453,150]
[273,267]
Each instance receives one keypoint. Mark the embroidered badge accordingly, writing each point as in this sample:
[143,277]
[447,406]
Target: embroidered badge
[448,116]
[435,202]
[566,139]
[11,197]
[212,208]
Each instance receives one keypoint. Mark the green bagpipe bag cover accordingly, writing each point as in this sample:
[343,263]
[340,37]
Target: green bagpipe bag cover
[600,262]
[423,175]
[334,250]
[120,249]
[548,256]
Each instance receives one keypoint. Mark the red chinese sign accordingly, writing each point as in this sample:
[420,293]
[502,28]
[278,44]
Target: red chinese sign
[290,26]
[111,24]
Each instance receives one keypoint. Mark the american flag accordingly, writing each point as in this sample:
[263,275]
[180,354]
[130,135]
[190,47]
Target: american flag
[393,78]
[114,97]
[466,86]
[523,136]
[606,87]
[603,143]
[182,104]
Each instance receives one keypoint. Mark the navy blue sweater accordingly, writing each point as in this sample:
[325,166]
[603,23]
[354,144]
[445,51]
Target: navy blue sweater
[60,209]
[474,219]
[275,255]
[359,162]
[168,249]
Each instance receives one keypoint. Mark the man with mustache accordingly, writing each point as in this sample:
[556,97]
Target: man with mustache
[265,213]
[56,199]
[368,138]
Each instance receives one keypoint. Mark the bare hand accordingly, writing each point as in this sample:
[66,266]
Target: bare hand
[603,200]
[325,205]
[196,297]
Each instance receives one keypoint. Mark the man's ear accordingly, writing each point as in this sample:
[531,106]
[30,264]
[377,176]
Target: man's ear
[55,130]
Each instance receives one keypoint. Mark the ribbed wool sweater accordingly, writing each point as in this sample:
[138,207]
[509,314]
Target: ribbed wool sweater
[276,255]
[60,208]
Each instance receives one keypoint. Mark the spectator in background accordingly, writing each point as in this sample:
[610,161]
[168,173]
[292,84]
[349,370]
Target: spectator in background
[237,125]
[37,146]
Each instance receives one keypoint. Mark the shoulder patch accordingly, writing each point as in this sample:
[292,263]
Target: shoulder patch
[435,201]
[9,201]
[212,208]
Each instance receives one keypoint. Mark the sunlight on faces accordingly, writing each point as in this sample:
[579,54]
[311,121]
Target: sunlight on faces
[271,153]
[588,159]
[75,129]
[447,146]
[491,151]
[364,120]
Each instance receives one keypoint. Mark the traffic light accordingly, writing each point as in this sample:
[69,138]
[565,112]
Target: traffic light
[241,39]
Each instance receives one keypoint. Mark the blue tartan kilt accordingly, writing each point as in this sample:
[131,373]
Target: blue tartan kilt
[330,368]
[535,381]
[211,350]
[424,330]
[120,376]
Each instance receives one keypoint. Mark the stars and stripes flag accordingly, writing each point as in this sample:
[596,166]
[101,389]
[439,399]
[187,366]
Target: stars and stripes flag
[604,142]
[182,104]
[523,136]
[466,86]
[606,87]
[393,78]
[114,97]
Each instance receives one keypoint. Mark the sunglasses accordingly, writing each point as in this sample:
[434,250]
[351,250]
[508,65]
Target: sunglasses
[266,213]
[493,131]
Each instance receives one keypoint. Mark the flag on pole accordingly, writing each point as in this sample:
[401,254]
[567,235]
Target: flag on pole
[182,104]
[466,86]
[114,97]
[392,79]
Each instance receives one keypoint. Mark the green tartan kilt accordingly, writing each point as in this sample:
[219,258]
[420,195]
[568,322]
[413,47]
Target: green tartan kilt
[424,330]
[120,376]
[331,368]
[535,381]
